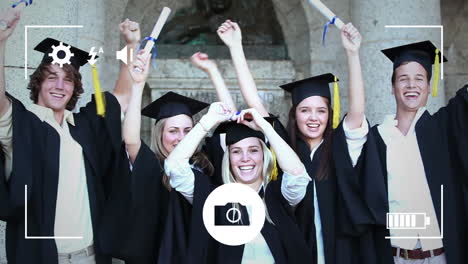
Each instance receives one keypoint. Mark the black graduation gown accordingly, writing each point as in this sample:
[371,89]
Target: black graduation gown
[36,148]
[282,238]
[4,198]
[143,221]
[339,247]
[442,140]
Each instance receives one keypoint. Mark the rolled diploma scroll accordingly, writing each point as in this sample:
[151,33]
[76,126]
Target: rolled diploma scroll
[327,13]
[156,30]
[3,23]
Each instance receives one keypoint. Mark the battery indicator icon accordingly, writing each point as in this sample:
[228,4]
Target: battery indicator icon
[407,221]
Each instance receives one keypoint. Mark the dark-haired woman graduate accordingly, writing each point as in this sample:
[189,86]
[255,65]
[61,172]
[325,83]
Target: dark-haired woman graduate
[247,160]
[312,136]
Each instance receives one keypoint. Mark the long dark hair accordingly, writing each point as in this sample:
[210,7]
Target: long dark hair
[41,73]
[326,161]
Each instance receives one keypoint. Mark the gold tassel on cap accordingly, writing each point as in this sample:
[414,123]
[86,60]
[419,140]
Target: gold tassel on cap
[274,172]
[435,83]
[336,104]
[98,95]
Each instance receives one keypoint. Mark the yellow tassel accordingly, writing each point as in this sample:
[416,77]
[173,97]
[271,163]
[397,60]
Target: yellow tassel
[435,82]
[98,95]
[336,104]
[274,172]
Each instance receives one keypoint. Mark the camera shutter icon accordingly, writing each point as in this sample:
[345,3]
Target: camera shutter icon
[233,215]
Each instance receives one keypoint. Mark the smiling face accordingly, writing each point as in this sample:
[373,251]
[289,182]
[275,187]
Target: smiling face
[175,129]
[312,117]
[410,86]
[246,161]
[56,89]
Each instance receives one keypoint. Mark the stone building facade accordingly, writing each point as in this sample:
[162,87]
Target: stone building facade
[301,27]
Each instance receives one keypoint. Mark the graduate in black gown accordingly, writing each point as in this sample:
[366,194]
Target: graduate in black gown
[65,159]
[407,159]
[311,134]
[147,221]
[247,160]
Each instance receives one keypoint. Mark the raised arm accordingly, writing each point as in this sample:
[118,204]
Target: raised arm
[231,35]
[132,122]
[202,61]
[218,112]
[11,18]
[295,178]
[130,31]
[355,116]
[288,161]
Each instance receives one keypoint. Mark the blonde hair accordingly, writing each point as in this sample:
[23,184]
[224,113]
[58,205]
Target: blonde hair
[161,153]
[157,140]
[228,177]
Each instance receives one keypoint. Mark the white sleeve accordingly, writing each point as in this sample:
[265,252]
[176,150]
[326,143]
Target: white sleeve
[6,139]
[294,188]
[356,138]
[181,177]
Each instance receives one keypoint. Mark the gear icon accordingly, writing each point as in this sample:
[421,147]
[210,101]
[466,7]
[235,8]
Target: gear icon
[64,49]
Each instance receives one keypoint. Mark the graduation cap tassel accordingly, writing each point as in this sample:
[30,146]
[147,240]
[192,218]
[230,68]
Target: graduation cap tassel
[336,104]
[435,83]
[98,95]
[274,172]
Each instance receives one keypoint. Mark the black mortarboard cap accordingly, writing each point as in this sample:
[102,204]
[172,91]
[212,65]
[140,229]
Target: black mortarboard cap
[423,53]
[63,51]
[172,104]
[316,85]
[236,132]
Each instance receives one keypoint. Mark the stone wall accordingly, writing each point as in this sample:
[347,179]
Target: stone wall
[455,22]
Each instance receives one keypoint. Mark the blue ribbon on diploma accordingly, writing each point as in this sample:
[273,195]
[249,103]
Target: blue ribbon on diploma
[153,57]
[325,29]
[26,2]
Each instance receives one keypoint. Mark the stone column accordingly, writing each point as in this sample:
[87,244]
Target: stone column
[370,17]
[454,21]
[91,14]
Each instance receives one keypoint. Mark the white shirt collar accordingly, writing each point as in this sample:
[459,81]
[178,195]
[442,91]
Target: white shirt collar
[390,121]
[45,113]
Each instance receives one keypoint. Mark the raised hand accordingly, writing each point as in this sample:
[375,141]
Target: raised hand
[130,30]
[202,61]
[230,34]
[351,38]
[11,18]
[252,118]
[219,112]
[139,68]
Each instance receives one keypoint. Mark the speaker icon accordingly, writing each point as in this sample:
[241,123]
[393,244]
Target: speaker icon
[122,54]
